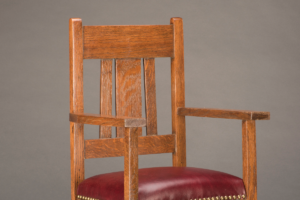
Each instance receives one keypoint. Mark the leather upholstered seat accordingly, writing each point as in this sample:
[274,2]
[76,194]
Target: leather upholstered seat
[165,183]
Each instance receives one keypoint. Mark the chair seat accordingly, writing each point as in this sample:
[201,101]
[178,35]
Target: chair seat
[166,183]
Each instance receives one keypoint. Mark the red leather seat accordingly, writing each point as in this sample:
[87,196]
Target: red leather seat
[166,183]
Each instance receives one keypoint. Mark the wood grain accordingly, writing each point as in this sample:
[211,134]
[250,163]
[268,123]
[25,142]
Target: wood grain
[105,95]
[128,41]
[249,159]
[226,114]
[131,167]
[128,90]
[113,147]
[76,103]
[178,94]
[107,120]
[150,96]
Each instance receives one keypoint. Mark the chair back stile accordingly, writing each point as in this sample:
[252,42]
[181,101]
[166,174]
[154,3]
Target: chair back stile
[127,45]
[76,103]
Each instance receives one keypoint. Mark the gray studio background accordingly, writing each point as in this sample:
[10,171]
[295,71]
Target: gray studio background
[238,55]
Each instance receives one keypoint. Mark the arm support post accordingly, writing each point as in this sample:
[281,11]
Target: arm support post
[131,164]
[249,159]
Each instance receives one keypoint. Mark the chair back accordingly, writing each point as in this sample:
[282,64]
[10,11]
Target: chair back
[126,46]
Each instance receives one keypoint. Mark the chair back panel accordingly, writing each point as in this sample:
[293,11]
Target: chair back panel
[102,42]
[128,90]
[128,93]
[114,147]
[127,45]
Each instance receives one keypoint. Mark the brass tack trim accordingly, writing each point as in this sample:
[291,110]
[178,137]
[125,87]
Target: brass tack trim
[231,197]
[238,197]
[87,198]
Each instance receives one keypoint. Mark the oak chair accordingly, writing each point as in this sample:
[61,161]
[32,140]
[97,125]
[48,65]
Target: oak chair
[127,45]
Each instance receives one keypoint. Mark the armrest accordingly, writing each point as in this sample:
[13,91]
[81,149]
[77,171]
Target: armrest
[225,114]
[107,120]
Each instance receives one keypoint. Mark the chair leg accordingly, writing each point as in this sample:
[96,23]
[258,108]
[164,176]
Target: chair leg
[249,159]
[77,157]
[131,164]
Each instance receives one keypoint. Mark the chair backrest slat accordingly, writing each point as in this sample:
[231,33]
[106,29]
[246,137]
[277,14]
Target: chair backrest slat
[102,42]
[105,95]
[128,90]
[114,147]
[150,96]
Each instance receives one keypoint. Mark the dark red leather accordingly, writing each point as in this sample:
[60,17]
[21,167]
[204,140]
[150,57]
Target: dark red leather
[165,183]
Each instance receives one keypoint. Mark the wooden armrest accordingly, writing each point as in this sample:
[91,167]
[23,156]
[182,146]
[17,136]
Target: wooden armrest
[226,114]
[107,120]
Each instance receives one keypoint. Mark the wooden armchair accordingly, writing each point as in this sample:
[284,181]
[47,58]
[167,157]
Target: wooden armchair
[127,45]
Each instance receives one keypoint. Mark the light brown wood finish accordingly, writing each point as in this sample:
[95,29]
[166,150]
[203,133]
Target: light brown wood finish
[226,114]
[249,159]
[114,147]
[128,90]
[178,94]
[128,41]
[105,95]
[76,103]
[131,164]
[150,96]
[94,119]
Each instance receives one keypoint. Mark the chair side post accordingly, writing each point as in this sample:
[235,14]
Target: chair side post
[249,159]
[76,103]
[178,94]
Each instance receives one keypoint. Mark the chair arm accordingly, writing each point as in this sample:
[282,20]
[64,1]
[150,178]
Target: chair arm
[225,114]
[107,120]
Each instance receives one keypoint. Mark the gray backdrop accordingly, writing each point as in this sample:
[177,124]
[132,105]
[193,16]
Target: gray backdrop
[238,55]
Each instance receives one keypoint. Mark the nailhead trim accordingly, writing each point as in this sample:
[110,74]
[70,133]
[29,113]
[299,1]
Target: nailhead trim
[238,197]
[87,198]
[208,198]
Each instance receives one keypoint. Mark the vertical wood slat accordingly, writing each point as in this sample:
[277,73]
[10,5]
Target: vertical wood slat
[249,159]
[150,96]
[178,94]
[76,103]
[105,95]
[131,164]
[128,90]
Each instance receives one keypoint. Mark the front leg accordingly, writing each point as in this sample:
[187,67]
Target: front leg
[249,159]
[131,164]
